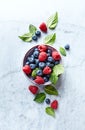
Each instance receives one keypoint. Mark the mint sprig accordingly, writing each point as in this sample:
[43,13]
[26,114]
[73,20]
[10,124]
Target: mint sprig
[50,111]
[62,51]
[50,39]
[50,90]
[40,97]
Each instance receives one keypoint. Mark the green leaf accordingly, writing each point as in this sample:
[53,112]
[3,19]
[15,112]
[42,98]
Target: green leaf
[26,37]
[53,78]
[50,90]
[52,21]
[40,97]
[34,72]
[62,51]
[50,111]
[58,69]
[32,29]
[50,39]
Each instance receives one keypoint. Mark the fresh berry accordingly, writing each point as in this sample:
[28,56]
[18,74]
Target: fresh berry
[39,73]
[33,89]
[49,51]
[48,76]
[46,79]
[47,70]
[43,27]
[39,80]
[27,63]
[47,100]
[35,54]
[35,49]
[26,69]
[34,38]
[48,54]
[57,62]
[32,66]
[32,56]
[38,33]
[42,48]
[67,47]
[48,64]
[54,104]
[42,56]
[36,62]
[56,55]
[31,59]
[52,65]
[42,65]
[50,59]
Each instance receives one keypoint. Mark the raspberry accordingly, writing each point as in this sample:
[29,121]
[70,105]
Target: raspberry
[47,70]
[33,89]
[26,69]
[39,80]
[42,56]
[43,27]
[56,55]
[54,104]
[42,48]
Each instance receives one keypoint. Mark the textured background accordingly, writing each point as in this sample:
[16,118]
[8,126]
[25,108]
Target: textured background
[17,109]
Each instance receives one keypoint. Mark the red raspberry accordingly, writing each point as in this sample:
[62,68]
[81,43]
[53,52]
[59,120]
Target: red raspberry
[42,56]
[43,27]
[47,70]
[54,104]
[26,69]
[42,48]
[56,55]
[33,89]
[39,80]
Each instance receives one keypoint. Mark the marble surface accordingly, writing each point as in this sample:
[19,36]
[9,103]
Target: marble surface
[18,111]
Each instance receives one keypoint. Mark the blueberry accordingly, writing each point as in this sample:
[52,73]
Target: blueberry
[46,79]
[51,65]
[32,56]
[42,65]
[47,100]
[50,59]
[34,38]
[35,49]
[48,54]
[57,62]
[38,33]
[32,66]
[39,73]
[27,63]
[48,64]
[48,76]
[67,47]
[49,51]
[31,59]
[36,61]
[35,54]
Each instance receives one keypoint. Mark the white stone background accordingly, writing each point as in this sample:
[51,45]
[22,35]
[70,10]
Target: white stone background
[17,109]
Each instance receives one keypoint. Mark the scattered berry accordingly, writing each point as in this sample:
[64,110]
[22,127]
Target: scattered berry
[39,80]
[33,89]
[39,73]
[47,100]
[56,55]
[47,70]
[26,69]
[43,27]
[67,47]
[46,79]
[42,56]
[54,104]
[42,48]
[34,38]
[38,33]
[42,65]
[32,66]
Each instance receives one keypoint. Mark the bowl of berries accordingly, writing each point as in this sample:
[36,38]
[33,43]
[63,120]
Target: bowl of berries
[38,64]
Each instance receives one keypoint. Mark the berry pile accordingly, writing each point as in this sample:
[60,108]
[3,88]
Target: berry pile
[42,59]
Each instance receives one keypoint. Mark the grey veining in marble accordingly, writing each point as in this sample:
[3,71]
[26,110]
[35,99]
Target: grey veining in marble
[17,109]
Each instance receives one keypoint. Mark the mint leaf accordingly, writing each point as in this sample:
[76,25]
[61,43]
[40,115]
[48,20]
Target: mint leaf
[32,29]
[50,90]
[40,97]
[26,37]
[53,78]
[52,21]
[34,72]
[58,69]
[50,39]
[50,111]
[62,51]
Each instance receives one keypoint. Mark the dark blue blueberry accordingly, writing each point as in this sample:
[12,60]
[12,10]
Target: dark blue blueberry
[51,65]
[46,79]
[49,51]
[38,33]
[50,59]
[36,49]
[27,63]
[48,54]
[48,76]
[31,59]
[67,47]
[32,56]
[36,61]
[32,66]
[36,53]
[34,38]
[57,62]
[42,65]
[48,64]
[47,100]
[39,73]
